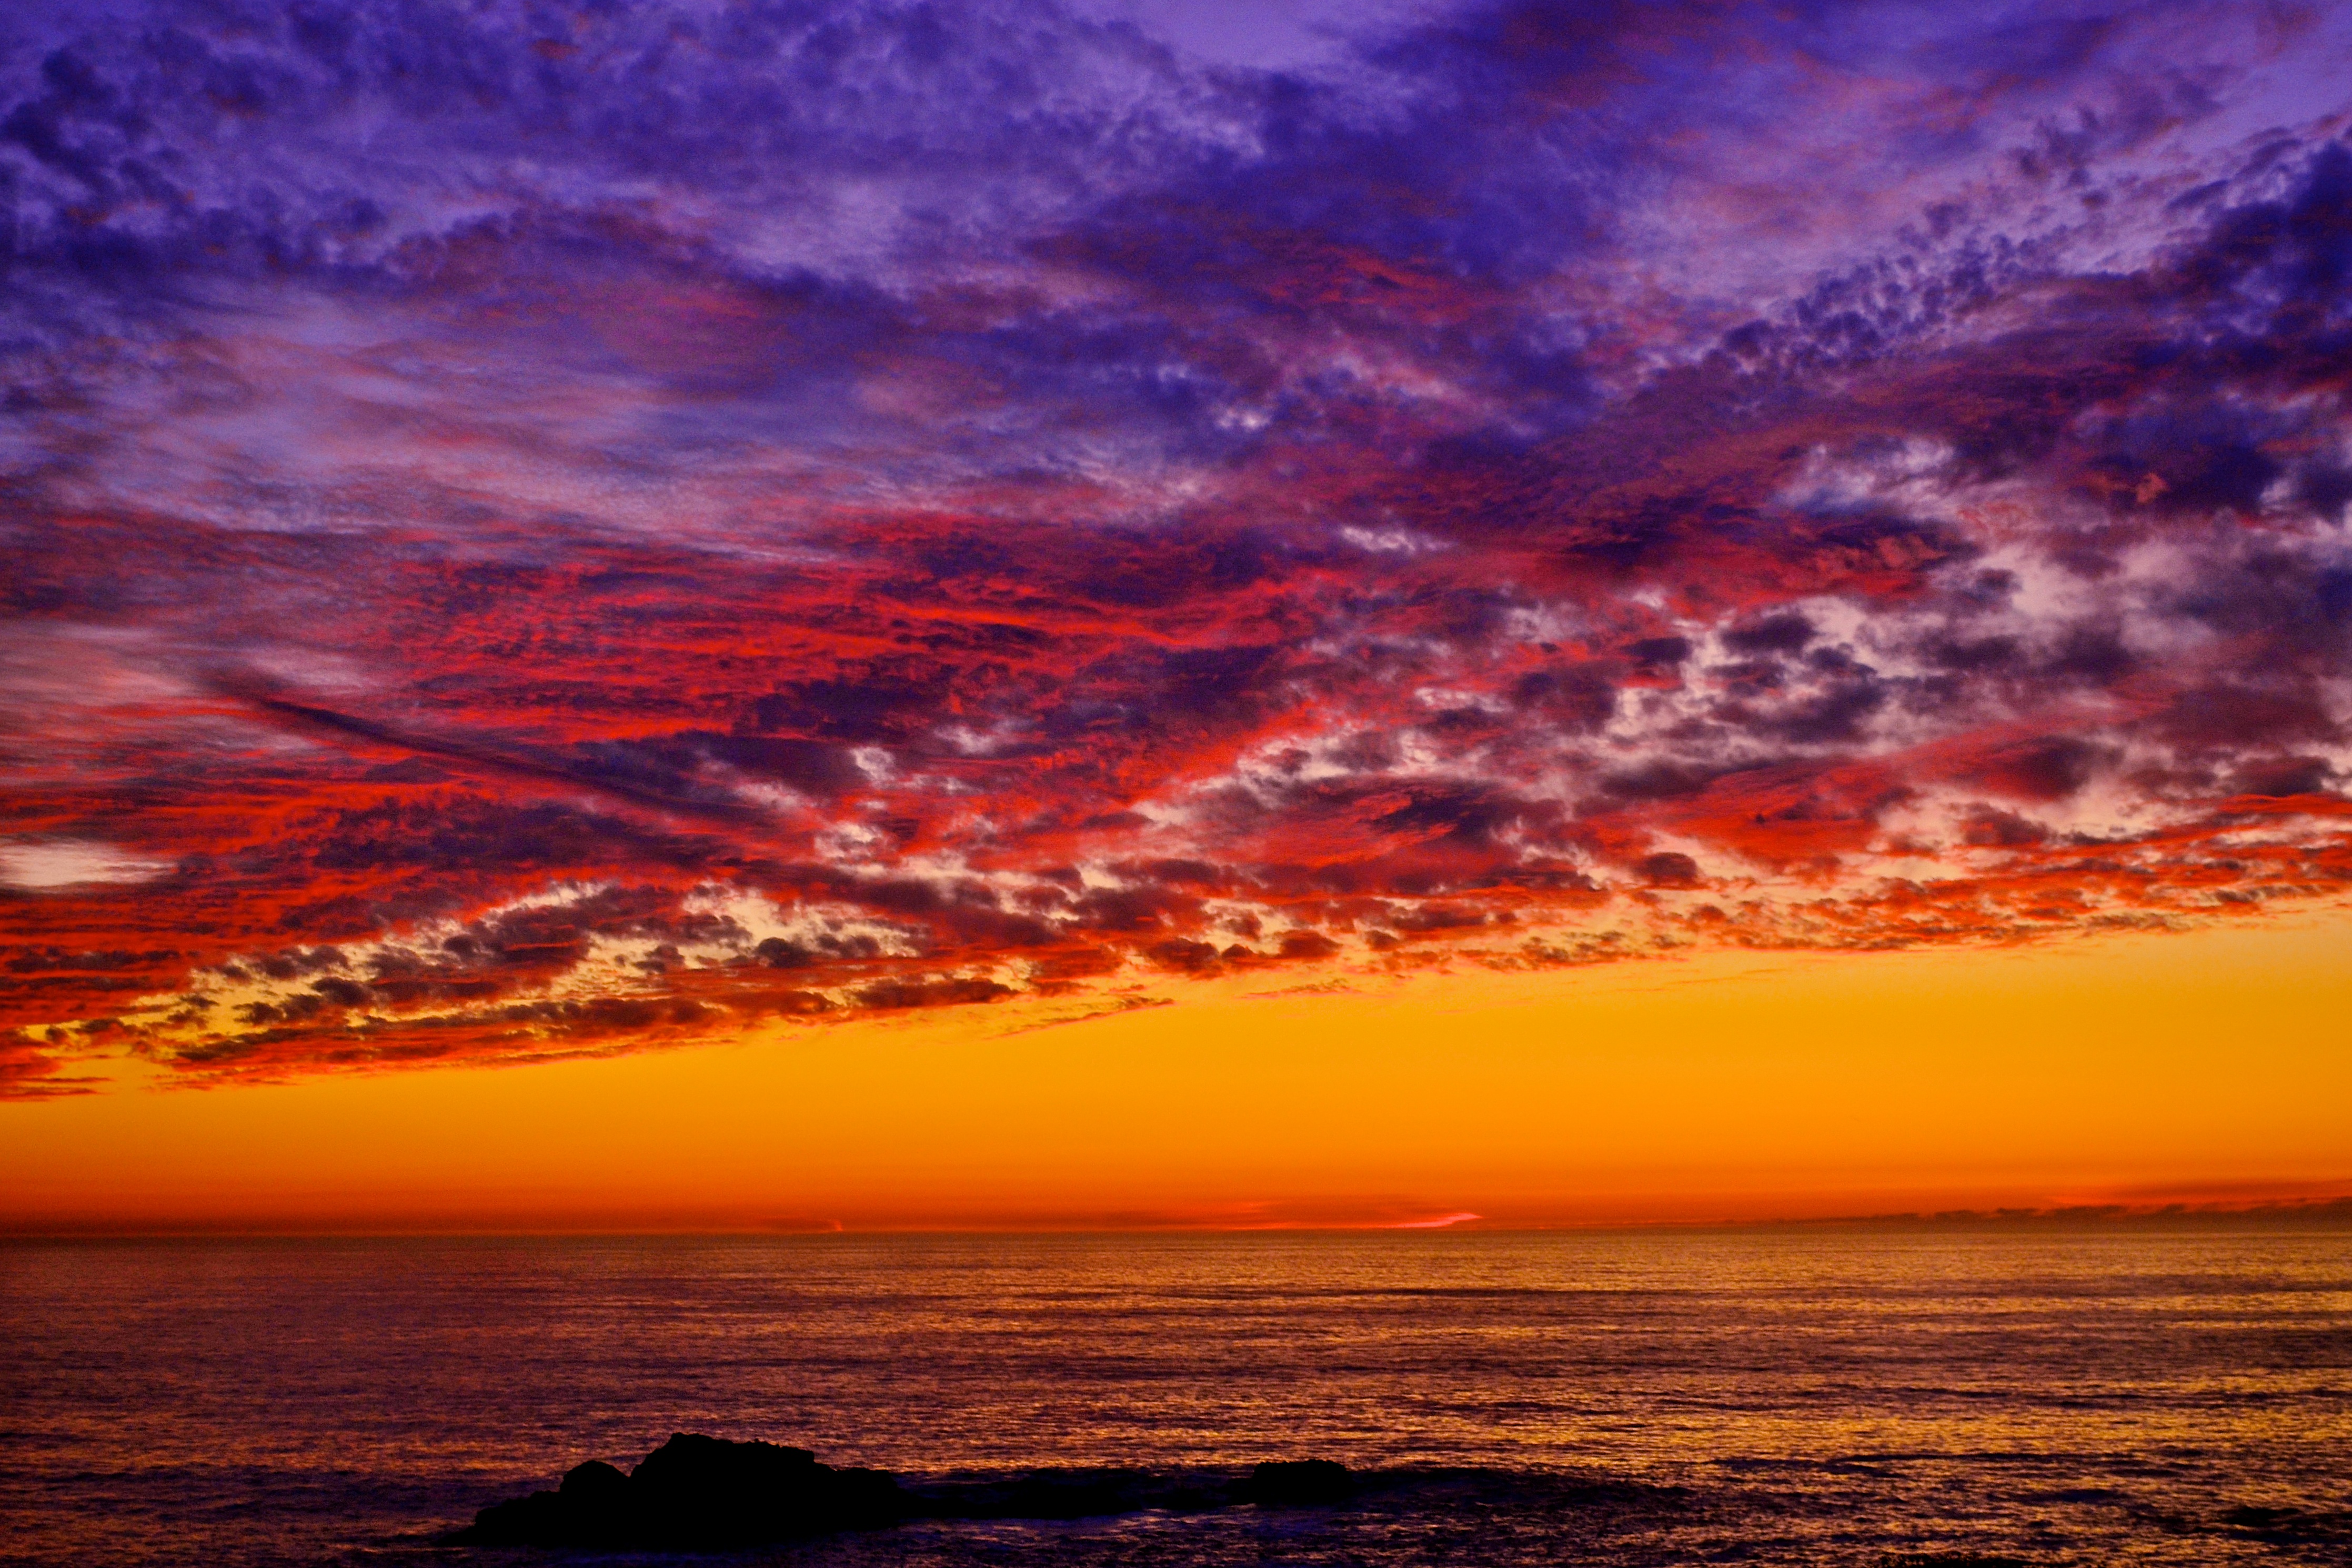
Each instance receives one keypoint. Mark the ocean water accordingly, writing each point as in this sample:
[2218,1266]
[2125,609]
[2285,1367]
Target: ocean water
[1630,1398]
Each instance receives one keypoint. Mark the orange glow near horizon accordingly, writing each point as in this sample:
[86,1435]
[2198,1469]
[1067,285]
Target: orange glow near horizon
[2204,1067]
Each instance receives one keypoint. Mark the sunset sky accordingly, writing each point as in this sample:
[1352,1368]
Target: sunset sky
[856,613]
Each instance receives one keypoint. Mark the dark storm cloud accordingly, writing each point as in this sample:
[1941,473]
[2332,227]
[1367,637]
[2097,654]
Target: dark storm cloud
[541,531]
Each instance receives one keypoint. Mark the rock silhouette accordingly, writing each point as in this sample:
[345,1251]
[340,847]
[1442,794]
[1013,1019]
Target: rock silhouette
[699,1493]
[694,1493]
[1299,1483]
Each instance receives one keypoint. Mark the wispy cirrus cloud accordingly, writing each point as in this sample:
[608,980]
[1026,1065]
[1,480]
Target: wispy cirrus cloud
[549,532]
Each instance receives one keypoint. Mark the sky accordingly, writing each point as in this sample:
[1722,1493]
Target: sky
[1144,611]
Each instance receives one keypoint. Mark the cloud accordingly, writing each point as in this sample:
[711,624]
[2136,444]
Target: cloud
[535,535]
[37,864]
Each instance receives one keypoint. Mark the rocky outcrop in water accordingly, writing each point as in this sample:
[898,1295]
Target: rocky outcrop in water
[698,1493]
[694,1493]
[1296,1483]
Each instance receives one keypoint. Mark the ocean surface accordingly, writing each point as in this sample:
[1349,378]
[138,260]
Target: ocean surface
[1629,1398]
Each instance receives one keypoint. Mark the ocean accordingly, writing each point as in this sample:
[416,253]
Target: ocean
[1626,1398]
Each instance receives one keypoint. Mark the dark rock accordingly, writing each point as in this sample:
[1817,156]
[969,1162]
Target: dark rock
[594,1502]
[1296,1483]
[694,1493]
[538,1519]
[595,1482]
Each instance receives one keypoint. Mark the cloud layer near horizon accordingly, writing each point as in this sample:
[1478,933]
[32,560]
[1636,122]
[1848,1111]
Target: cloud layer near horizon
[576,529]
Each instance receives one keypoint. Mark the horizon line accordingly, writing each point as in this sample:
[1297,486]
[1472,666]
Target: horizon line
[2321,1213]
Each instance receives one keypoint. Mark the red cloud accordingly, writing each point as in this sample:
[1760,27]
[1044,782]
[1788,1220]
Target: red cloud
[580,630]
